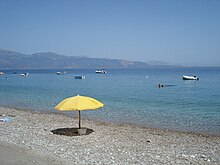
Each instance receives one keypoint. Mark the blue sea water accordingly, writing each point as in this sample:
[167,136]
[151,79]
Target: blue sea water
[130,95]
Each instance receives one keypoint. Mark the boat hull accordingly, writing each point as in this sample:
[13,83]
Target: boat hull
[80,77]
[100,72]
[190,78]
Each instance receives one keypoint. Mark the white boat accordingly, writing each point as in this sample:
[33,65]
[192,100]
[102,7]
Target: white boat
[60,73]
[190,77]
[1,73]
[101,71]
[24,74]
[79,77]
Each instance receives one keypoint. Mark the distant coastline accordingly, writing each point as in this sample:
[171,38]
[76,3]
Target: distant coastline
[50,60]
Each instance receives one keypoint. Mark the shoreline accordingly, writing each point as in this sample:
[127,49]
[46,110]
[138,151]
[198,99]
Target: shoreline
[62,113]
[109,143]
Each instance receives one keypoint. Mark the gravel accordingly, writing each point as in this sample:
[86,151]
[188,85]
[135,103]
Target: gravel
[108,143]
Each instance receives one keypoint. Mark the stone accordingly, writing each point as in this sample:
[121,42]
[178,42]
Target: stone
[203,156]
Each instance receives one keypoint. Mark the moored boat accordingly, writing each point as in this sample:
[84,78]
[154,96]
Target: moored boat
[60,73]
[24,74]
[80,77]
[101,71]
[190,77]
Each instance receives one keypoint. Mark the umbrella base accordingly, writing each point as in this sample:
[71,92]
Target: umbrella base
[82,131]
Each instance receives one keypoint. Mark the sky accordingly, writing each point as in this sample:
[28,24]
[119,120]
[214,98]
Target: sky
[179,32]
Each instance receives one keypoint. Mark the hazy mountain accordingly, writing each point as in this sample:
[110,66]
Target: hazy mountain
[157,62]
[14,60]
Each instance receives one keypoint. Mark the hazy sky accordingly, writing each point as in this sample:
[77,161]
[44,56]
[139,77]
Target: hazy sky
[185,32]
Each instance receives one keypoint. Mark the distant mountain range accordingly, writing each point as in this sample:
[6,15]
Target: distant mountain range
[14,60]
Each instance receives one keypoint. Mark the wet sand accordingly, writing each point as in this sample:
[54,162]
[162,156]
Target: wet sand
[27,139]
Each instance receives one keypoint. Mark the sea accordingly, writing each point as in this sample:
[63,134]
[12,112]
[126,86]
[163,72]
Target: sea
[131,96]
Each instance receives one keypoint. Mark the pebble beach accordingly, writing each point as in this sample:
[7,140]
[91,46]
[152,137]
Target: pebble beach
[28,135]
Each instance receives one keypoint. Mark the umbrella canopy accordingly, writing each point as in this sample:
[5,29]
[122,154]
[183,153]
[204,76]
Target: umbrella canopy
[78,103]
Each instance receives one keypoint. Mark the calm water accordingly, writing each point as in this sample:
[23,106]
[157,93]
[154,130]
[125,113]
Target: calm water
[129,96]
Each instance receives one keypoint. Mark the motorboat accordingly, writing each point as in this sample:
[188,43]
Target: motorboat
[79,77]
[190,77]
[24,74]
[1,73]
[101,71]
[60,73]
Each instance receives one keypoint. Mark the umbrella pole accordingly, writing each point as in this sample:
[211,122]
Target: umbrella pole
[79,119]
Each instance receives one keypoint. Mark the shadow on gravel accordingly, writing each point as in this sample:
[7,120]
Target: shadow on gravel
[72,131]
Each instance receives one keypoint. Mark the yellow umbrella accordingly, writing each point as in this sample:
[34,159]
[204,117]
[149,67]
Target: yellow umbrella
[78,103]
